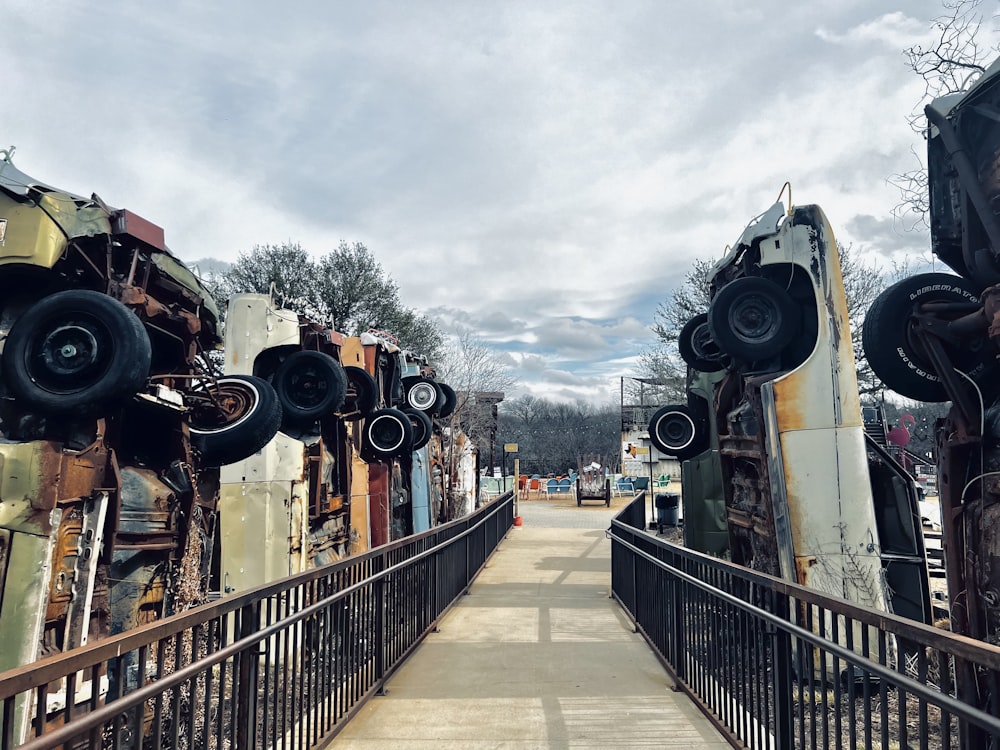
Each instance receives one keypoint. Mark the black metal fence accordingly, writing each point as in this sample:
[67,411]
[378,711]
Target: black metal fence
[281,666]
[776,665]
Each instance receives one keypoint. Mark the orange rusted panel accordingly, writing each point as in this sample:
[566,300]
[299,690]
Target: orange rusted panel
[802,567]
[127,222]
[788,404]
[352,352]
[64,555]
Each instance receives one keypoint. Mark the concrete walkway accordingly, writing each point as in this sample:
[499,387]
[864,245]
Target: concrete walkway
[536,656]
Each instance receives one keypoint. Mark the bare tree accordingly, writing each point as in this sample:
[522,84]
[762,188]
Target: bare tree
[553,437]
[951,64]
[480,379]
[660,365]
[687,300]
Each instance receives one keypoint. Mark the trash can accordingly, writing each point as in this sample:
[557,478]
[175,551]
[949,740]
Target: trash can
[667,505]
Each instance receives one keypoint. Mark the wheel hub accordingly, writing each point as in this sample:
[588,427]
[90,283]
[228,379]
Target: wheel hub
[422,396]
[752,318]
[307,387]
[69,351]
[704,345]
[677,431]
[386,433]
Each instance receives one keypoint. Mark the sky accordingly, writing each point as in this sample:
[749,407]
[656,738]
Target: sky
[541,174]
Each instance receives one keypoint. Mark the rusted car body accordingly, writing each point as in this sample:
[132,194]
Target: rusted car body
[353,468]
[807,496]
[934,337]
[110,424]
[287,507]
[408,485]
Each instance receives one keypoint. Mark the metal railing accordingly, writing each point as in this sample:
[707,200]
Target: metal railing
[776,665]
[284,665]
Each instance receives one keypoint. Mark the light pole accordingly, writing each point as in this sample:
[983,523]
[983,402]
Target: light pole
[507,448]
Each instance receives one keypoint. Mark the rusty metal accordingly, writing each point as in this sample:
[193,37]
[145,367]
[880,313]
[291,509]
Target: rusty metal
[110,510]
[791,445]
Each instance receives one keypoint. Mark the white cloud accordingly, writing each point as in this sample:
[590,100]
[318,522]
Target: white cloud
[895,31]
[540,174]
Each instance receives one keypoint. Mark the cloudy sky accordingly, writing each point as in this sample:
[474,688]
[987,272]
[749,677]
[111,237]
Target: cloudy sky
[541,173]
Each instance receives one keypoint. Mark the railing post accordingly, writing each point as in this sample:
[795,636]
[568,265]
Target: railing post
[677,628]
[380,639]
[435,589]
[784,714]
[635,587]
[468,561]
[246,687]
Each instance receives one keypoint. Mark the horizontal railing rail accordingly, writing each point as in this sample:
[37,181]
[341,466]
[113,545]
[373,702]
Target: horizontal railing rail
[777,665]
[282,665]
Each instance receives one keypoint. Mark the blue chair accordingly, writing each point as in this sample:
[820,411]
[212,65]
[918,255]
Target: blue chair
[623,488]
[564,484]
[552,486]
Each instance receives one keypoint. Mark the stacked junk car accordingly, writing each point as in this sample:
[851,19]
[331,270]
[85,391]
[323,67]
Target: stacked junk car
[777,469]
[138,479]
[933,337]
[362,456]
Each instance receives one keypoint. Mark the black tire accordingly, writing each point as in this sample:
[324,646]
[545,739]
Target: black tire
[309,385]
[387,433]
[362,393]
[890,344]
[676,431]
[752,319]
[422,427]
[697,347]
[450,401]
[249,417]
[423,394]
[76,351]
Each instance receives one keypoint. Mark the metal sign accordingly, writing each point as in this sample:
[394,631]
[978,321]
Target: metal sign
[510,447]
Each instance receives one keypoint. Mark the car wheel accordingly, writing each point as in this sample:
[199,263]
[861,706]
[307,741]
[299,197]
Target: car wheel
[889,339]
[676,431]
[76,350]
[450,401]
[233,418]
[422,427]
[362,391]
[309,385]
[752,319]
[423,394]
[697,347]
[387,433]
